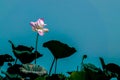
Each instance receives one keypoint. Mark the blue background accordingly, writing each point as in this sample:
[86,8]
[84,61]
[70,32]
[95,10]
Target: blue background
[91,26]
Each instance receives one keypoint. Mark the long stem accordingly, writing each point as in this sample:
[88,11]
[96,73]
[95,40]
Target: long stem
[51,66]
[55,66]
[36,45]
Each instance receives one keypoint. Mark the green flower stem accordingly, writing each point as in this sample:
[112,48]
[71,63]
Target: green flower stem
[36,45]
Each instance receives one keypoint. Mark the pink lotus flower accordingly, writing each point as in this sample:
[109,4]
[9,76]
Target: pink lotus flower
[39,26]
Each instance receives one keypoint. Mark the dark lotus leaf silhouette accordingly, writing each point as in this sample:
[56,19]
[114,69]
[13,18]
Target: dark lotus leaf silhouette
[58,49]
[5,58]
[112,67]
[24,70]
[26,56]
[13,72]
[21,47]
[94,73]
[14,69]
[24,53]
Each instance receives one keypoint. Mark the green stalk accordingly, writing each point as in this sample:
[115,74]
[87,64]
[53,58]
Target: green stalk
[36,45]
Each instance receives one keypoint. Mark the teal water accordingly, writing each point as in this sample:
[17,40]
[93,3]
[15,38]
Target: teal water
[91,26]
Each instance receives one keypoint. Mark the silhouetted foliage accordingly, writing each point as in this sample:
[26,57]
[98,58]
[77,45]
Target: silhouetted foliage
[30,71]
[27,71]
[24,53]
[56,77]
[21,47]
[59,49]
[111,69]
[26,56]
[5,58]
